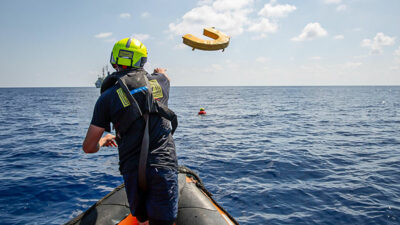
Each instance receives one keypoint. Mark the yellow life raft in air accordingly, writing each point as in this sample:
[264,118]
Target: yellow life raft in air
[221,40]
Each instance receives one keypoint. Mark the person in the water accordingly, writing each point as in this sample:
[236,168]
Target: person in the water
[202,111]
[125,103]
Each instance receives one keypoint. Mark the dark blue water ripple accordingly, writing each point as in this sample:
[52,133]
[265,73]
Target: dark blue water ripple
[270,155]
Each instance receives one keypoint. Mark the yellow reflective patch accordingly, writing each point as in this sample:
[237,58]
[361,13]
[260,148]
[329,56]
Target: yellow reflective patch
[156,88]
[124,100]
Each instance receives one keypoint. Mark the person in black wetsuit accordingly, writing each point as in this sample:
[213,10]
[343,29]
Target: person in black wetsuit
[158,202]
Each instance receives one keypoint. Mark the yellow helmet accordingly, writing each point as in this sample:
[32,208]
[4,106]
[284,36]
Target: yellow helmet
[129,52]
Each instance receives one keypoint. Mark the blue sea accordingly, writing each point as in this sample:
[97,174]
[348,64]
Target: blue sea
[270,155]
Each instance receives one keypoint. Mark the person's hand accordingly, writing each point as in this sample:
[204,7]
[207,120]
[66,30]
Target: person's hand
[160,70]
[163,71]
[108,141]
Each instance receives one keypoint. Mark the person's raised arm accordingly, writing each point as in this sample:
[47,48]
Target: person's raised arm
[93,140]
[163,71]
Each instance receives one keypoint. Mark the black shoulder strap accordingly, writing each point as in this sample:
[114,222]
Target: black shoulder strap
[108,82]
[131,99]
[143,154]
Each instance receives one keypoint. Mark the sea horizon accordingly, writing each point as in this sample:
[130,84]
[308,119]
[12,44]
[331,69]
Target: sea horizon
[350,85]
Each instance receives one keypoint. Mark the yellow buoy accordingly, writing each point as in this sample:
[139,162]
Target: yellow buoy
[221,40]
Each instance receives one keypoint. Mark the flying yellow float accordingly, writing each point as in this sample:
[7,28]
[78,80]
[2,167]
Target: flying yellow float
[221,40]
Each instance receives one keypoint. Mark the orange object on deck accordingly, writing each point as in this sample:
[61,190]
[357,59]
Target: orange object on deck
[129,220]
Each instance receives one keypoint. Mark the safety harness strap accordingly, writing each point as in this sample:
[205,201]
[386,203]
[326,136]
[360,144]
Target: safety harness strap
[143,154]
[145,141]
[131,99]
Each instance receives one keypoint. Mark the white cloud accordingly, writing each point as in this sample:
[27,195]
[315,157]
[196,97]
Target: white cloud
[231,21]
[315,68]
[141,37]
[397,52]
[103,35]
[262,59]
[271,10]
[378,42]
[264,26]
[231,17]
[394,68]
[332,1]
[361,56]
[311,31]
[397,57]
[352,65]
[125,15]
[145,14]
[338,37]
[217,66]
[341,8]
[229,5]
[316,58]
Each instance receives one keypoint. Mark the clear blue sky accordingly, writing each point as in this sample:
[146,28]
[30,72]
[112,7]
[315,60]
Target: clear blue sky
[315,42]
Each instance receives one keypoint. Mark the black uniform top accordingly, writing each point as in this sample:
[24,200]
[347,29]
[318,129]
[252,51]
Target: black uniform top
[162,147]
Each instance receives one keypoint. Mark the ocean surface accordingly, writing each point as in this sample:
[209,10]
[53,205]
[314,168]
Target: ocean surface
[270,155]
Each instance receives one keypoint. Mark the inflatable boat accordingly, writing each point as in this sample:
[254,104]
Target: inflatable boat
[196,206]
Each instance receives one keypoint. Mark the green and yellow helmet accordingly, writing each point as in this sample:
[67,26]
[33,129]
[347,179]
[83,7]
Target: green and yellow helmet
[129,52]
